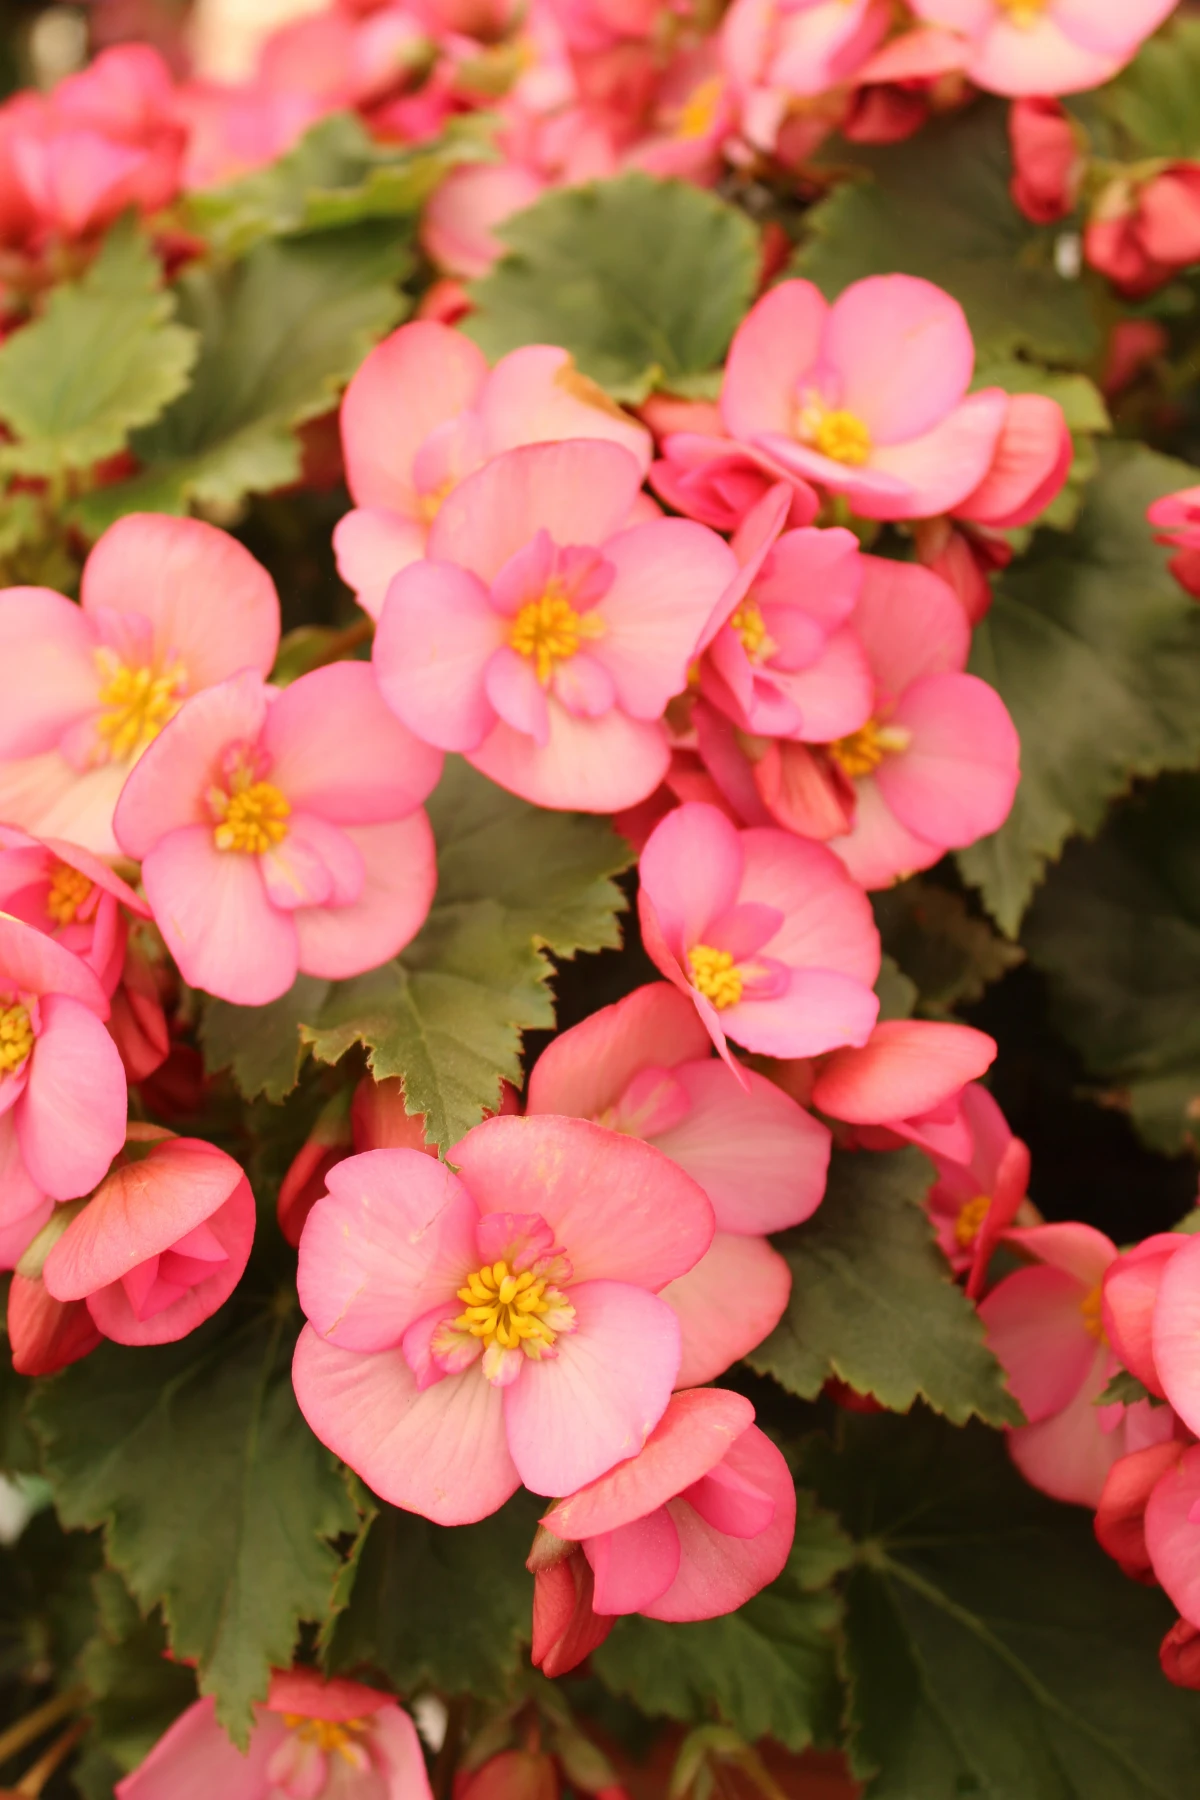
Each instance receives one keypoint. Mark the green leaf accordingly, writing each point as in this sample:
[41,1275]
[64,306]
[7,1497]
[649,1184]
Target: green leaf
[873,1302]
[1156,100]
[18,1448]
[513,881]
[103,357]
[768,1669]
[1095,649]
[938,206]
[1116,929]
[217,1501]
[643,281]
[992,1648]
[134,1690]
[947,955]
[450,1608]
[1126,1390]
[261,1045]
[281,332]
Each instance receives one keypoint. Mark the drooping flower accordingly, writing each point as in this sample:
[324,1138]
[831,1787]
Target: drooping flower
[545,635]
[767,935]
[776,53]
[1046,46]
[1047,163]
[282,831]
[312,1740]
[1154,1308]
[1141,232]
[169,606]
[1121,1508]
[423,412]
[161,1244]
[645,1067]
[469,1332]
[867,397]
[70,895]
[1032,460]
[1178,519]
[690,1528]
[1172,1527]
[710,477]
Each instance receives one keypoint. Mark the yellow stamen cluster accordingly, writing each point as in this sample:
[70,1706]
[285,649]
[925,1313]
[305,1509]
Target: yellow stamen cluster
[748,622]
[69,890]
[549,630]
[252,818]
[844,438]
[1091,1306]
[863,750]
[135,704]
[329,1735]
[430,505]
[16,1038]
[715,975]
[969,1222]
[1023,13]
[507,1309]
[699,111]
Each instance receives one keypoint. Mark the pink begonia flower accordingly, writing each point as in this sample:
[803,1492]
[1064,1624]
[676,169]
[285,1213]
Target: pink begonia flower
[281,831]
[1173,1532]
[70,895]
[716,481]
[977,1198]
[1179,1655]
[1032,460]
[374,1117]
[1121,1509]
[312,1740]
[1132,1285]
[690,1528]
[44,1335]
[138,1022]
[233,130]
[1178,519]
[545,635]
[161,1244]
[62,1087]
[770,939]
[423,412]
[645,1067]
[900,83]
[1048,162]
[783,662]
[1141,232]
[1174,1322]
[471,1332]
[867,397]
[776,52]
[458,226]
[1018,47]
[1045,1324]
[168,607]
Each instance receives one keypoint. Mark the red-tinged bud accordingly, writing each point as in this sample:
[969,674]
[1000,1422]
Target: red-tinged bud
[1047,160]
[849,1399]
[446,302]
[566,1629]
[379,1119]
[512,1775]
[329,1141]
[47,1334]
[1179,1655]
[1121,1511]
[137,1022]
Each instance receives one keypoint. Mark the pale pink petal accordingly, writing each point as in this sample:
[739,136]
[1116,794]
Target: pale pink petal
[301,1690]
[396,1753]
[1032,460]
[669,577]
[908,1066]
[1036,58]
[516,695]
[436,634]
[718,1573]
[1069,1455]
[440,1451]
[580,492]
[371,546]
[832,698]
[693,1435]
[232,1229]
[1131,1289]
[570,1418]
[400,868]
[828,923]
[211,605]
[32,963]
[759,1157]
[1173,1535]
[903,352]
[620,1209]
[196,1759]
[956,780]
[70,1120]
[314,864]
[47,794]
[1177,1332]
[773,349]
[393,1238]
[587,765]
[691,873]
[20,1196]
[585,1070]
[1082,1251]
[633,1564]
[50,676]
[362,776]
[879,849]
[910,622]
[166,788]
[459,220]
[212,909]
[1115,27]
[942,467]
[536,395]
[733,1298]
[417,379]
[17,1234]
[1036,1326]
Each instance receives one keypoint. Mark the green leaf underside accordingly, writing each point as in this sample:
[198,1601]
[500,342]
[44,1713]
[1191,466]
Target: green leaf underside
[104,357]
[643,281]
[938,206]
[280,333]
[768,1669]
[948,957]
[216,1500]
[1117,930]
[873,1301]
[260,1045]
[1095,649]
[992,1649]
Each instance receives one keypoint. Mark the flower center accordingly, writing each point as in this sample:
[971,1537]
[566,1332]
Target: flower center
[507,1309]
[328,1736]
[836,433]
[969,1222]
[16,1038]
[1091,1306]
[69,892]
[430,505]
[135,704]
[698,114]
[715,976]
[863,750]
[252,818]
[1023,13]
[549,630]
[747,621]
